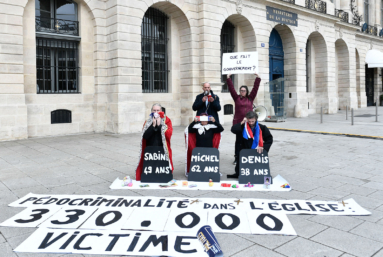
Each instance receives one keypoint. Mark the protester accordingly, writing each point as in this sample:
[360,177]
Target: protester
[243,104]
[157,131]
[252,135]
[203,134]
[207,102]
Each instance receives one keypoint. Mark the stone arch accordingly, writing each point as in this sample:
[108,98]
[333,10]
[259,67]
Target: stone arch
[342,73]
[318,91]
[85,104]
[180,63]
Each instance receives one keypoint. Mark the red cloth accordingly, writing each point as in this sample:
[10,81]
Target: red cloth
[242,104]
[168,135]
[191,144]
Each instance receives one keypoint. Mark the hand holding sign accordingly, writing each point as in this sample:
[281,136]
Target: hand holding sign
[240,63]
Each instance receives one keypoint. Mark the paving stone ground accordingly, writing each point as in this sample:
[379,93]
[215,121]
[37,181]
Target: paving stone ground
[320,167]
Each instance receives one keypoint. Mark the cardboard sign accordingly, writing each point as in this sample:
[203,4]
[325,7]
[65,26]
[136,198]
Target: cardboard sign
[240,63]
[254,167]
[204,165]
[156,168]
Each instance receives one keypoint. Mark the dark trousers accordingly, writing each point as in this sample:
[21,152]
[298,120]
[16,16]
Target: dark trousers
[237,144]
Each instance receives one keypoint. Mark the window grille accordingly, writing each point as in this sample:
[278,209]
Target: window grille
[154,52]
[227,46]
[228,109]
[57,66]
[61,116]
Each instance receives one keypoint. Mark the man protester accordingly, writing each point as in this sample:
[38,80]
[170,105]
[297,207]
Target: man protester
[253,136]
[207,102]
[201,134]
[157,131]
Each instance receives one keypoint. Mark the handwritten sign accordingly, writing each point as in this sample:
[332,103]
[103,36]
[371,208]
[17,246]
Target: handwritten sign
[253,167]
[156,168]
[204,165]
[281,16]
[240,63]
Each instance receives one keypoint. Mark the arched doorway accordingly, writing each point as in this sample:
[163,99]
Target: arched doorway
[370,82]
[276,71]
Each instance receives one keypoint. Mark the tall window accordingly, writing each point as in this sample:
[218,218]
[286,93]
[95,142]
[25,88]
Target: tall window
[308,65]
[56,59]
[227,46]
[154,52]
[57,70]
[366,11]
[56,16]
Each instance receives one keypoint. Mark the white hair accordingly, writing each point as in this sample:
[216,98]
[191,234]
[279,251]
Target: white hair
[156,104]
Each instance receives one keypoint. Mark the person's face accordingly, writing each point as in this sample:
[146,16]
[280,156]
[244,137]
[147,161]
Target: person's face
[242,91]
[206,87]
[156,109]
[252,122]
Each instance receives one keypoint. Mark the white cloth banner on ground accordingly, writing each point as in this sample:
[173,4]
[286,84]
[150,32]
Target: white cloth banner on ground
[111,242]
[278,181]
[240,63]
[313,207]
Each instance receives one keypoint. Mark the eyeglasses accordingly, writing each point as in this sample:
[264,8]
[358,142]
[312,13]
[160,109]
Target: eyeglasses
[243,90]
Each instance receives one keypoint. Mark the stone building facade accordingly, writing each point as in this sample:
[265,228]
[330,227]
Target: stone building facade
[70,67]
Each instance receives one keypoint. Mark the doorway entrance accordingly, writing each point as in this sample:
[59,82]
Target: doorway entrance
[370,86]
[276,68]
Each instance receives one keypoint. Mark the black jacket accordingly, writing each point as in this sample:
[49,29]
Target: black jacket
[153,136]
[206,139]
[214,107]
[247,143]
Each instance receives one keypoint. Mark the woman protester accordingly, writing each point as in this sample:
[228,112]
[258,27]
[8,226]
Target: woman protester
[243,104]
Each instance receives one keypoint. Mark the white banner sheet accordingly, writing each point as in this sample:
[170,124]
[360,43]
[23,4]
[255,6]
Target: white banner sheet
[240,63]
[116,225]
[278,181]
[314,207]
[111,242]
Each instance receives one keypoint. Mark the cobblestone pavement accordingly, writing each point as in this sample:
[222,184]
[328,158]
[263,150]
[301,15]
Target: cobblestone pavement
[319,167]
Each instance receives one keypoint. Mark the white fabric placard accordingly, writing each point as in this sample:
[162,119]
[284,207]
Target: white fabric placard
[107,218]
[31,217]
[142,219]
[69,217]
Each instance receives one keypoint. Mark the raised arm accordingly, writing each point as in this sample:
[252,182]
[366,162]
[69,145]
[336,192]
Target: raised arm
[233,93]
[254,91]
[191,129]
[236,129]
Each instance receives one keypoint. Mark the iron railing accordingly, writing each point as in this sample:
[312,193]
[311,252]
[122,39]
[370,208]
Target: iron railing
[368,29]
[316,5]
[342,15]
[57,26]
[289,1]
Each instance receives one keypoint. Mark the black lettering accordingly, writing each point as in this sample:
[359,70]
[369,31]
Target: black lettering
[252,206]
[161,202]
[46,243]
[274,208]
[311,206]
[334,207]
[182,204]
[155,241]
[72,202]
[109,202]
[117,202]
[300,208]
[29,199]
[137,203]
[170,202]
[100,218]
[147,203]
[69,240]
[63,201]
[39,201]
[134,242]
[35,216]
[261,222]
[114,241]
[284,206]
[96,201]
[125,203]
[86,201]
[206,206]
[322,208]
[235,221]
[179,222]
[71,218]
[179,243]
[79,241]
[52,200]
